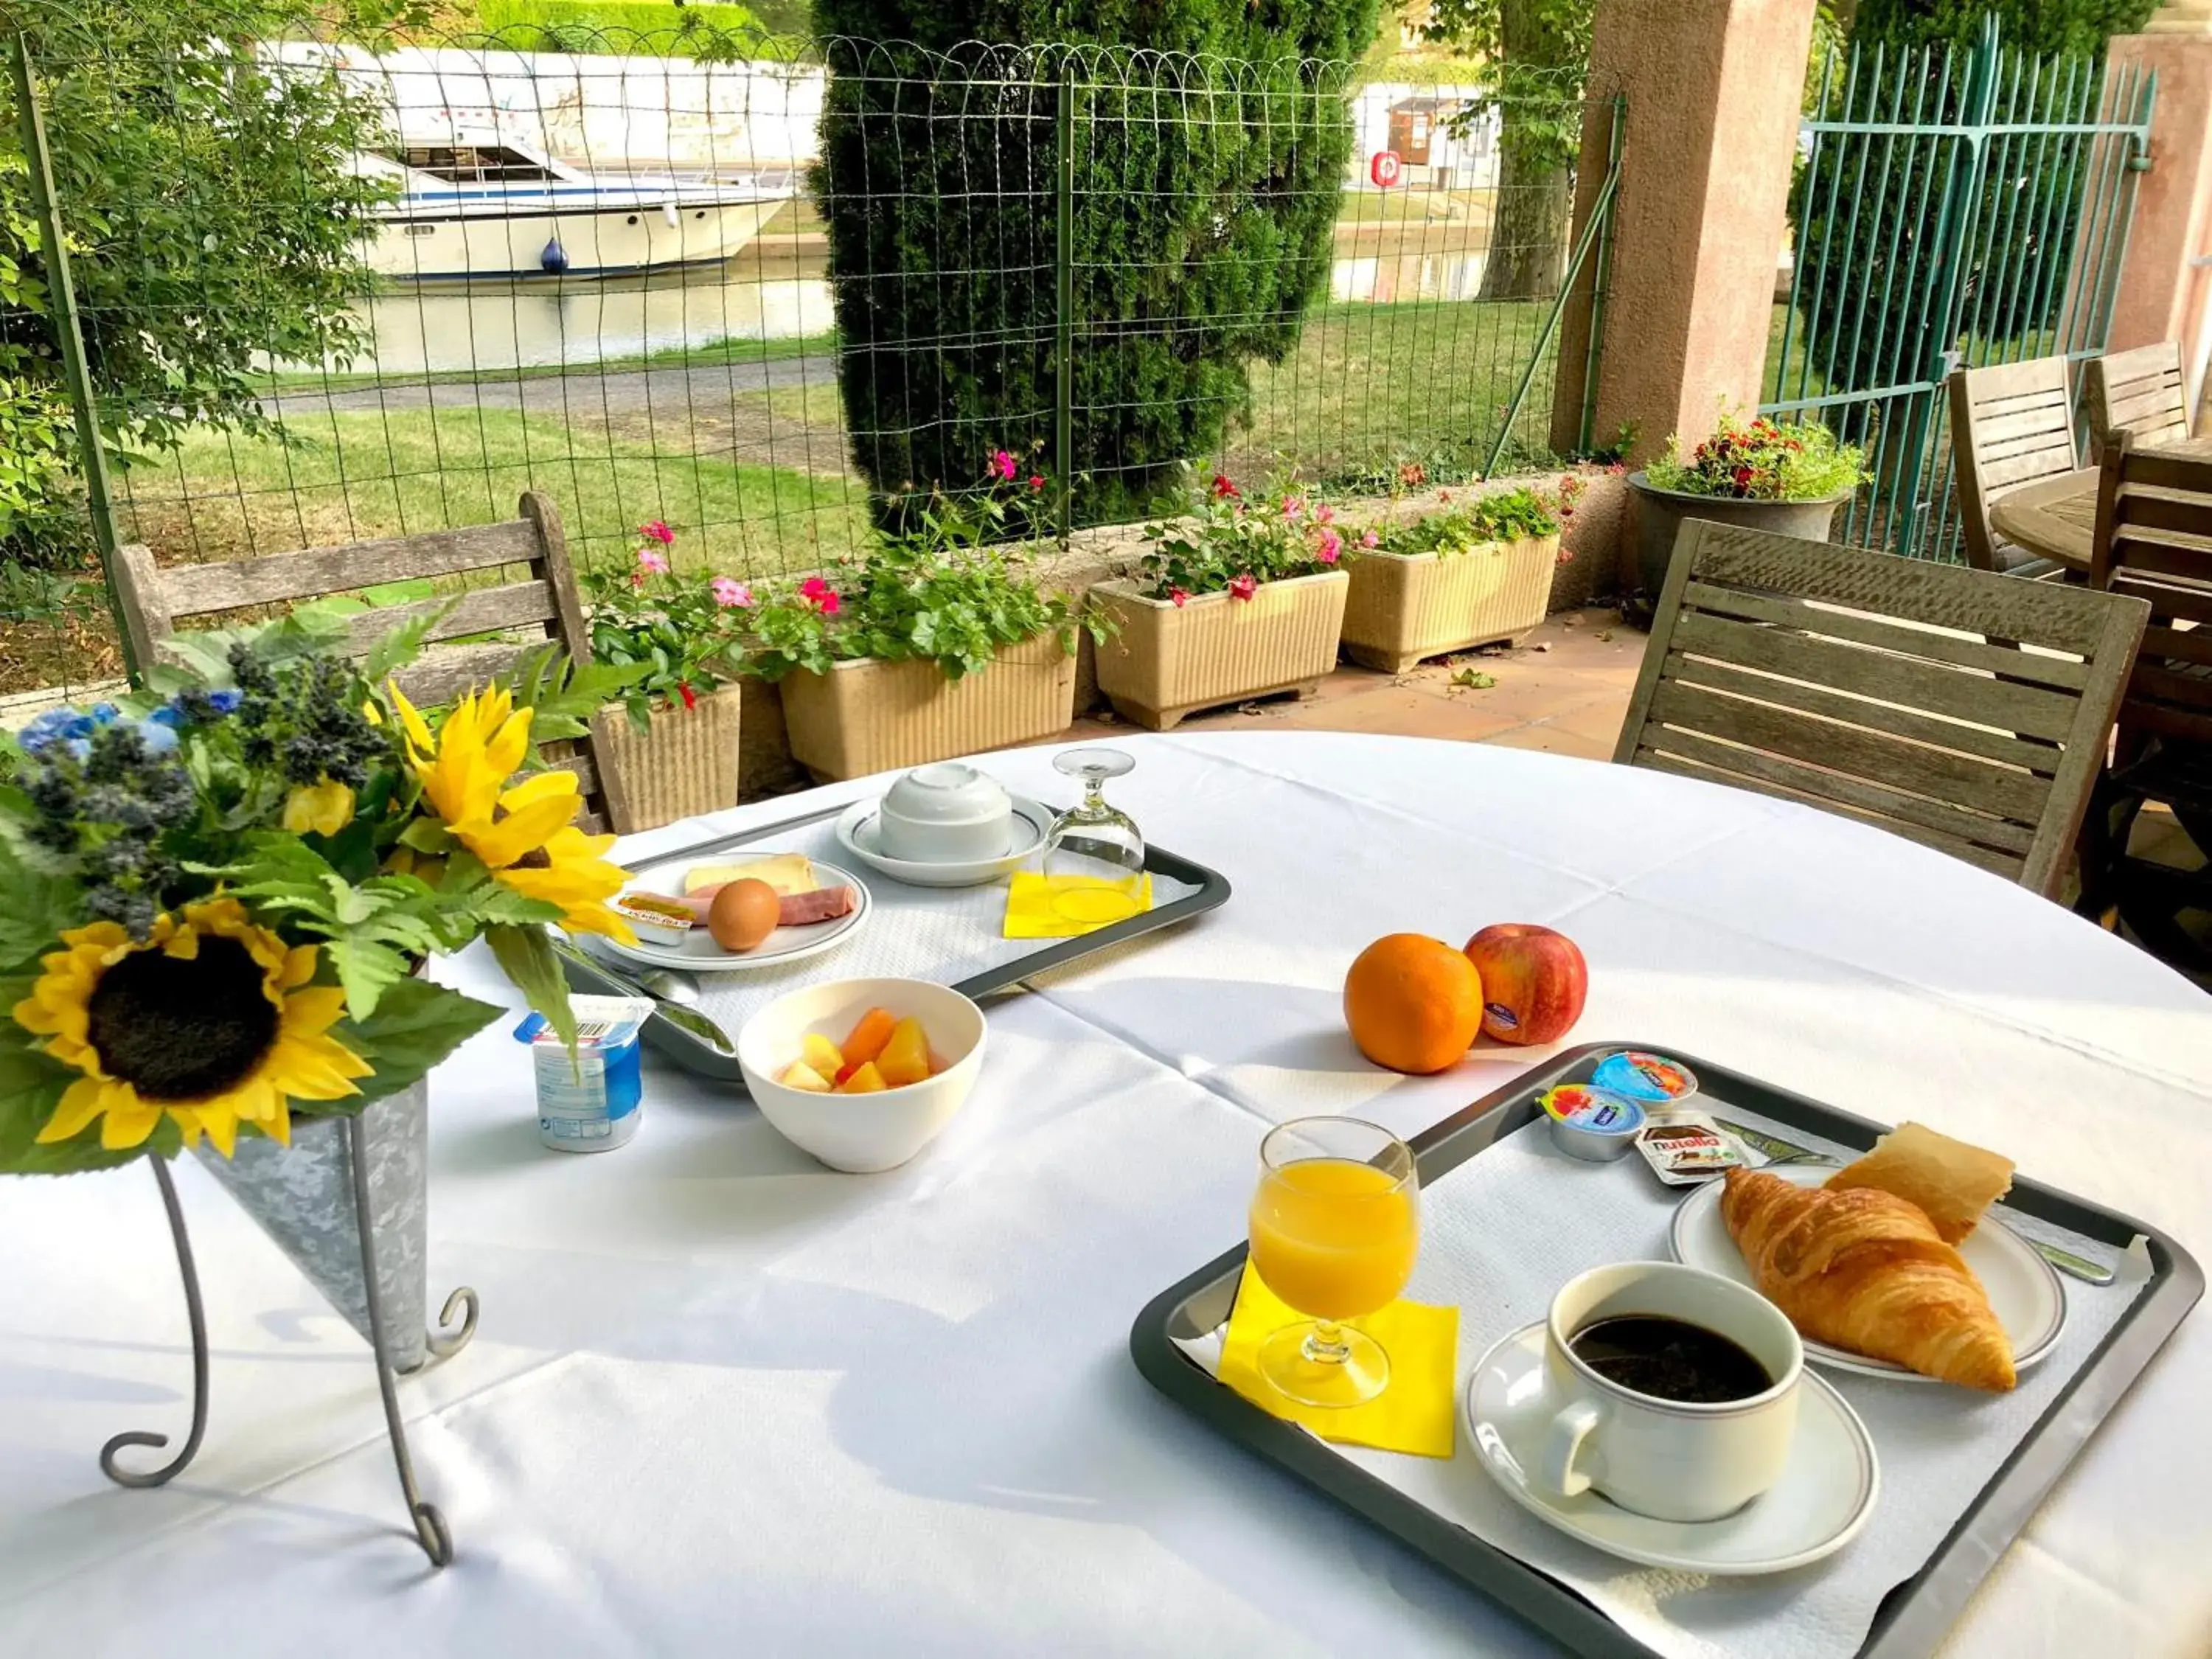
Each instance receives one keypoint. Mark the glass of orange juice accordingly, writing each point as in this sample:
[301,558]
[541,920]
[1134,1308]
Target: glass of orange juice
[1334,1228]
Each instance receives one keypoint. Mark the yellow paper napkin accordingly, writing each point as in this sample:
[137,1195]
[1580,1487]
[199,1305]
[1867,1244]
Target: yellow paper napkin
[1417,1412]
[1033,904]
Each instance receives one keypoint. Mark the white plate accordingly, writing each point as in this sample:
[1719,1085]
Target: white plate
[1823,1500]
[856,833]
[700,955]
[2024,1290]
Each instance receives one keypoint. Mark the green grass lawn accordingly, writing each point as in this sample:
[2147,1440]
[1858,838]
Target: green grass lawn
[347,477]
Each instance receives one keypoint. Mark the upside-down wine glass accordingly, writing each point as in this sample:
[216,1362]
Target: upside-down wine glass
[1094,857]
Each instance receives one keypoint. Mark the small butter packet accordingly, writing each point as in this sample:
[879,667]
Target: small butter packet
[1685,1148]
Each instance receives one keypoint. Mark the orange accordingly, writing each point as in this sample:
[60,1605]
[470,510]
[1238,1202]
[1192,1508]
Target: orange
[1413,1003]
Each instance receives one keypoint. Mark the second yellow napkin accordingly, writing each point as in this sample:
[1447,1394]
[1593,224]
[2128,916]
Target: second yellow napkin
[1032,910]
[1415,1414]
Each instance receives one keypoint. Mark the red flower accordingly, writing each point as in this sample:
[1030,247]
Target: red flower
[1223,490]
[1179,597]
[690,697]
[1413,474]
[1036,480]
[1742,476]
[819,594]
[656,531]
[1243,586]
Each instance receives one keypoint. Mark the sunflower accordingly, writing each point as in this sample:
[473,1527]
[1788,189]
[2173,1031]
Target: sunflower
[211,1020]
[526,835]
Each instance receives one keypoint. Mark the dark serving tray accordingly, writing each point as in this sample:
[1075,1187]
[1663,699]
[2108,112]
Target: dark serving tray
[1915,1614]
[665,1032]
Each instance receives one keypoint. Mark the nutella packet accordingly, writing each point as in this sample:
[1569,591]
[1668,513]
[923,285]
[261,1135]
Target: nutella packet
[1686,1148]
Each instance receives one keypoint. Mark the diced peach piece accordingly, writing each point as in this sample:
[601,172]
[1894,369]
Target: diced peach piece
[866,1081]
[799,1075]
[869,1036]
[905,1058]
[818,1052]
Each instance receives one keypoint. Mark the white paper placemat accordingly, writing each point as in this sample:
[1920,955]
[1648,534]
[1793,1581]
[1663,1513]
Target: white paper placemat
[941,933]
[1504,1231]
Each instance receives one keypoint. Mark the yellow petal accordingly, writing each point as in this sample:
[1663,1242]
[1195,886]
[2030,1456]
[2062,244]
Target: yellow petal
[80,1103]
[128,1120]
[324,807]
[417,728]
[299,967]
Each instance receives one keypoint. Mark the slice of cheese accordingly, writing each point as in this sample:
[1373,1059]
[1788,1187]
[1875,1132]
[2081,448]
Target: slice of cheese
[787,873]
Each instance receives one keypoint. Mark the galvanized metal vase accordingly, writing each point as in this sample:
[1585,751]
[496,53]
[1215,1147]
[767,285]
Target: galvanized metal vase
[302,1197]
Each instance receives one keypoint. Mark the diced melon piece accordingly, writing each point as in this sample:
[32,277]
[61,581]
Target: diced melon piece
[868,1036]
[822,1054]
[866,1081]
[905,1058]
[799,1075]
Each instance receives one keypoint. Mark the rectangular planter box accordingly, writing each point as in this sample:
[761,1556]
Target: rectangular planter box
[684,765]
[872,716]
[1406,606]
[1170,661]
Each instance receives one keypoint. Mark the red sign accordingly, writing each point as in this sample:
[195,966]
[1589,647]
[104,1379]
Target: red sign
[1384,168]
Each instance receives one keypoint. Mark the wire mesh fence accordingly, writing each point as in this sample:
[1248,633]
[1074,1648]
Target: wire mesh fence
[765,289]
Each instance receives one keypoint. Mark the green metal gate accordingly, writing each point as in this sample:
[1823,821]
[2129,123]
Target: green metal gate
[1955,205]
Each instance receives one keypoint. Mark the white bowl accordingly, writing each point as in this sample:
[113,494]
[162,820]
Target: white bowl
[862,1133]
[947,814]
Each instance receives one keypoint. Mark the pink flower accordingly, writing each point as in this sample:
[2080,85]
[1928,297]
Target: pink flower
[658,532]
[1324,513]
[729,590]
[1243,586]
[1293,505]
[1002,463]
[1179,596]
[1332,547]
[1037,482]
[1371,540]
[819,594]
[651,562]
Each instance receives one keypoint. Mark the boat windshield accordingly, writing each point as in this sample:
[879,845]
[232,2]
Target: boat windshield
[474,164]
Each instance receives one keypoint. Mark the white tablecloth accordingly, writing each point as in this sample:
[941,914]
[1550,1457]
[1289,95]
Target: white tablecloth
[724,1400]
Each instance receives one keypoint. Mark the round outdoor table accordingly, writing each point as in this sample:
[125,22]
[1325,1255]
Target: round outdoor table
[2058,517]
[724,1400]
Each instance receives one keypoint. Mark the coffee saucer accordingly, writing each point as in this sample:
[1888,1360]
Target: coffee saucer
[859,832]
[1824,1500]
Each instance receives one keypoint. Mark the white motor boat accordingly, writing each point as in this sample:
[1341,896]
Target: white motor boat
[495,206]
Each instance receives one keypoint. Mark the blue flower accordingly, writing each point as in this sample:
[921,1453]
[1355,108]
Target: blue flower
[170,716]
[69,726]
[105,713]
[158,737]
[225,702]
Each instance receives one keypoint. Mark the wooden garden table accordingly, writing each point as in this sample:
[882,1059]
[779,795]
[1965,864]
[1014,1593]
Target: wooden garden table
[2058,517]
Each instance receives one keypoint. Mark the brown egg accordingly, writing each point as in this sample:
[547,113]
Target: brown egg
[743,914]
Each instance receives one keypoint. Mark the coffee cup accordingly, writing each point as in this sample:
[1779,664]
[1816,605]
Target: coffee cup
[1679,1424]
[945,813]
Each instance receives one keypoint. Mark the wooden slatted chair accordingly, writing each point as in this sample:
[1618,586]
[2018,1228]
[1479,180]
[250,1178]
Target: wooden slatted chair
[536,605]
[2140,392]
[2154,543]
[2011,424]
[1868,685]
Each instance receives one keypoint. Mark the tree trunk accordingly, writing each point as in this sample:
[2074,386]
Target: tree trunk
[1528,232]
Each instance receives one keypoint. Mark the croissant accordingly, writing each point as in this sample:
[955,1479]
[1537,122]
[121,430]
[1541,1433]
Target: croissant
[1867,1271]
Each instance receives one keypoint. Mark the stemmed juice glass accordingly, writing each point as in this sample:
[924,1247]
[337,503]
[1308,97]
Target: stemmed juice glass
[1334,1228]
[1094,857]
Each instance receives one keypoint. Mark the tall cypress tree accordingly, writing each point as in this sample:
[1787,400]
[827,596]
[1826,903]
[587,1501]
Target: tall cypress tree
[1207,156]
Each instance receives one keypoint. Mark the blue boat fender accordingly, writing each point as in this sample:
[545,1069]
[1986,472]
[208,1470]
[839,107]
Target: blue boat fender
[555,258]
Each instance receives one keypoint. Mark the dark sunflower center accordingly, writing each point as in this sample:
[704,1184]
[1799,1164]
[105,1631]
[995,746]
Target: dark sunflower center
[182,1030]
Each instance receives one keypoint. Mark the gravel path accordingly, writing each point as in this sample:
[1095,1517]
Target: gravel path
[584,391]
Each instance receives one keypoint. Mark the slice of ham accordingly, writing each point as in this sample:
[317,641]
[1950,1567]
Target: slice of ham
[791,909]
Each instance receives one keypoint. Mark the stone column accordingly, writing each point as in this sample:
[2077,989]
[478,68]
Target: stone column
[2164,293]
[1713,91]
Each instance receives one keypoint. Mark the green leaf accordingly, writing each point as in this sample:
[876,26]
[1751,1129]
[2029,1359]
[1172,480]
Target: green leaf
[403,644]
[39,906]
[428,837]
[527,956]
[415,1025]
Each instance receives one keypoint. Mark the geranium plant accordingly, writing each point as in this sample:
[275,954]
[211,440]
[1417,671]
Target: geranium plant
[949,588]
[1227,543]
[214,894]
[1761,461]
[1463,521]
[681,631]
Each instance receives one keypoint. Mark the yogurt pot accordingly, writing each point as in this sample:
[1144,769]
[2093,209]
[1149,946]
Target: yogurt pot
[947,814]
[1589,1123]
[1652,1078]
[590,1104]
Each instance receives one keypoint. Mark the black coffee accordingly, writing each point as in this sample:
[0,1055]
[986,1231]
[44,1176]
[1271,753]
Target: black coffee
[1670,1359]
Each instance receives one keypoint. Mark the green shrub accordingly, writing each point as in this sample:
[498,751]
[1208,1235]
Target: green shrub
[650,26]
[1206,192]
[1760,461]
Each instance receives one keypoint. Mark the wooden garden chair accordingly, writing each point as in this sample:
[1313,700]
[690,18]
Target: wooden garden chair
[2155,544]
[525,609]
[2141,393]
[2011,424]
[1868,685]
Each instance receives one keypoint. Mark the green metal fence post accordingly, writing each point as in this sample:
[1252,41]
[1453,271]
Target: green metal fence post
[76,376]
[1063,395]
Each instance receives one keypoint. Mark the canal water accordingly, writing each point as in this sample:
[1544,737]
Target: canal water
[538,322]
